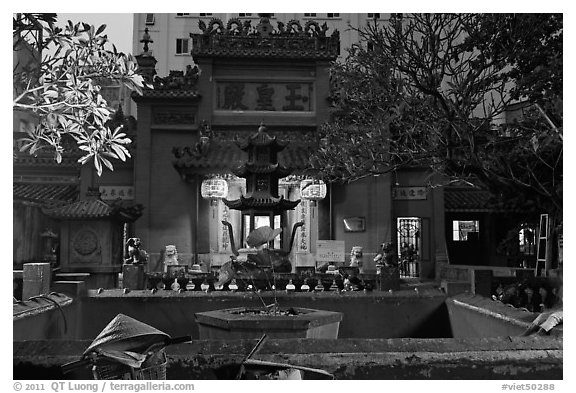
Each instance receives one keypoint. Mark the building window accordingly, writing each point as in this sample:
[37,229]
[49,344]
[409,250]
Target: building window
[333,15]
[465,230]
[244,15]
[370,46]
[206,14]
[150,19]
[182,14]
[181,46]
[312,15]
[374,16]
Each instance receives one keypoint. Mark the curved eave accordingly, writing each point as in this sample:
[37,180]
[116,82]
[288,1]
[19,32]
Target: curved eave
[276,204]
[276,169]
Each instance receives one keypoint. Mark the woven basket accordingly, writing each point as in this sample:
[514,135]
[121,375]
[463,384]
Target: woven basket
[153,368]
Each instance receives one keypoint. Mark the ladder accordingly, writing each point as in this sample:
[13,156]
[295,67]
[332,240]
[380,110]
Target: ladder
[542,246]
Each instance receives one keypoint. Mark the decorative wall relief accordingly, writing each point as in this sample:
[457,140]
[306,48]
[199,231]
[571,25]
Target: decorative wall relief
[86,247]
[86,242]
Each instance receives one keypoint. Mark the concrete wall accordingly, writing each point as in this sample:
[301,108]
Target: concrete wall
[371,315]
[477,351]
[368,198]
[41,319]
[519,358]
[477,316]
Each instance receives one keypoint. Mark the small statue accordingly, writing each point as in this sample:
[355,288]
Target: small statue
[170,257]
[136,255]
[356,256]
[386,256]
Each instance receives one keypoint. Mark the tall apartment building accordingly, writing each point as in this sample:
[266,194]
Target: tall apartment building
[171,32]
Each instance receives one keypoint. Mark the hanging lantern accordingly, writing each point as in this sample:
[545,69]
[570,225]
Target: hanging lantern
[312,190]
[214,188]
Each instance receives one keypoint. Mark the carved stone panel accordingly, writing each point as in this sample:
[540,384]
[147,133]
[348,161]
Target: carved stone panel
[86,243]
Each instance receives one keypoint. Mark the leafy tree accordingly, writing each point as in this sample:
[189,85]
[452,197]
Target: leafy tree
[62,84]
[431,89]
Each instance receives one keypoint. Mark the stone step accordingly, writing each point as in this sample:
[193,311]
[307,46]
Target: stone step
[72,288]
[71,276]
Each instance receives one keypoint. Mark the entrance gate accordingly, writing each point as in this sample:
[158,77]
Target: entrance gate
[409,245]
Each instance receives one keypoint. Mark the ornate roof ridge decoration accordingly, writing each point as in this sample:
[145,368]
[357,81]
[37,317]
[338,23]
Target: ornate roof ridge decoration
[293,136]
[262,138]
[241,39]
[177,84]
[178,80]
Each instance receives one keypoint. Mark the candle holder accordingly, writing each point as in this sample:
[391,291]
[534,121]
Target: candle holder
[290,287]
[334,287]
[205,287]
[175,285]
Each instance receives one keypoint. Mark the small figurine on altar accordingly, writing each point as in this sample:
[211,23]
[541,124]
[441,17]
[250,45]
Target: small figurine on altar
[386,256]
[136,255]
[171,255]
[356,256]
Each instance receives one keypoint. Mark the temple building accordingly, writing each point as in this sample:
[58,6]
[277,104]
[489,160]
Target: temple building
[263,79]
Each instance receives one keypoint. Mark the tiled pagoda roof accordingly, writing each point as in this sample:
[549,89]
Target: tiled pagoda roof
[224,156]
[468,200]
[93,208]
[45,192]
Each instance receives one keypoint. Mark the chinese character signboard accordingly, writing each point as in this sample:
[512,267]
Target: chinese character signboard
[330,251]
[265,96]
[409,193]
[112,193]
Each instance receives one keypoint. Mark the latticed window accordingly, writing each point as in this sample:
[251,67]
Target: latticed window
[181,46]
[245,15]
[332,15]
[374,16]
[150,19]
[312,15]
[182,14]
[206,14]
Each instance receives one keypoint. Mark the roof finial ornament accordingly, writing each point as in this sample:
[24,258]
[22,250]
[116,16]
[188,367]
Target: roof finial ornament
[264,28]
[146,40]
